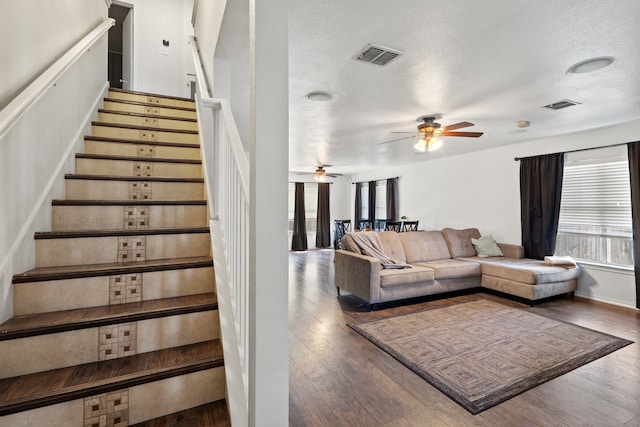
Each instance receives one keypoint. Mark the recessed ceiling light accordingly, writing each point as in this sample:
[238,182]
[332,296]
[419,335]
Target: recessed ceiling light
[318,96]
[590,65]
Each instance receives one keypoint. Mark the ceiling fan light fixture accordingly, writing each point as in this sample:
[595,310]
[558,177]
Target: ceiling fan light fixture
[434,144]
[421,145]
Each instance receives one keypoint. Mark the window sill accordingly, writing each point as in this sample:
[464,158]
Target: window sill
[606,267]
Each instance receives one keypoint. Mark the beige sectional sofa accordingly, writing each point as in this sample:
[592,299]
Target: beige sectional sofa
[445,261]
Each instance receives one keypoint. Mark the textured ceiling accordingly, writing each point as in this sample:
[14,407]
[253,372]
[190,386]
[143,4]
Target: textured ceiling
[491,63]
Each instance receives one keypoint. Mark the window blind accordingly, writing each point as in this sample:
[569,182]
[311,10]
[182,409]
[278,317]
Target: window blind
[596,199]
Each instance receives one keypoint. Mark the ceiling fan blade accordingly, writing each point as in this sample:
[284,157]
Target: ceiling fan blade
[401,132]
[333,175]
[305,173]
[399,139]
[467,134]
[457,126]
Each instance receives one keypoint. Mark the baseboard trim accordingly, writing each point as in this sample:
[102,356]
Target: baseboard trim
[604,300]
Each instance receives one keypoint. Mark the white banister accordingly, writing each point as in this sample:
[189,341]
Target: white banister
[226,171]
[30,95]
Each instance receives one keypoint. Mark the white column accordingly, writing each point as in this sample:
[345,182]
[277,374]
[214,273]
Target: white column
[269,355]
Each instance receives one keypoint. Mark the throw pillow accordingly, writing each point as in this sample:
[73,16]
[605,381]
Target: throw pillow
[486,247]
[459,241]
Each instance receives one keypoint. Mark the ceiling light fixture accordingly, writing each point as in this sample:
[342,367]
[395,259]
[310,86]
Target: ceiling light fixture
[590,65]
[429,142]
[319,96]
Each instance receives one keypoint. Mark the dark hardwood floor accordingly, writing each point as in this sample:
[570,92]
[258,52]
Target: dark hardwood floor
[338,378]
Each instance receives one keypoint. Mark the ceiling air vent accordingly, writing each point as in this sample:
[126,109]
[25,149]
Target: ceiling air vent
[378,55]
[561,104]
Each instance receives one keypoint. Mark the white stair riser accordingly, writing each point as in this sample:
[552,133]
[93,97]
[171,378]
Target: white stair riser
[87,189]
[132,168]
[155,122]
[143,134]
[150,99]
[99,250]
[140,150]
[144,402]
[128,217]
[69,294]
[59,350]
[147,109]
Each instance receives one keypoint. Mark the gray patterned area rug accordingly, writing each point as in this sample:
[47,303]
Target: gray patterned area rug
[481,353]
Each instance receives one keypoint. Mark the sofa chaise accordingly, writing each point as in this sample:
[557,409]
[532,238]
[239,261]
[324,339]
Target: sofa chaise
[445,261]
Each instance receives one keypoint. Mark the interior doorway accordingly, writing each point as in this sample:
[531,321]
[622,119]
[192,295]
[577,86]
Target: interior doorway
[120,50]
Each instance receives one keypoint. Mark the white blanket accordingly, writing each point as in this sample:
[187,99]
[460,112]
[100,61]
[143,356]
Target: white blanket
[562,261]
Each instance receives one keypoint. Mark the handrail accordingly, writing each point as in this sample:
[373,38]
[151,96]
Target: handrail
[226,172]
[32,93]
[229,122]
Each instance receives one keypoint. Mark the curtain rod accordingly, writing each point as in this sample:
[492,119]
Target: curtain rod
[376,180]
[574,151]
[309,182]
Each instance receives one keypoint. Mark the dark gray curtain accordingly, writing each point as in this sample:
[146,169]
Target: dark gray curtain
[540,193]
[358,205]
[299,242]
[392,199]
[372,202]
[323,225]
[633,153]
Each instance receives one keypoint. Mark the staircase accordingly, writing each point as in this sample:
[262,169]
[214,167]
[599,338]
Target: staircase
[117,324]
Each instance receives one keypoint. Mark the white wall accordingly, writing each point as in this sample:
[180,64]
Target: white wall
[153,22]
[232,66]
[34,156]
[341,201]
[207,25]
[35,33]
[481,189]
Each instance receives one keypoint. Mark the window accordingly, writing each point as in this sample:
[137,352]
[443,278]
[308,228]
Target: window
[595,211]
[381,200]
[364,198]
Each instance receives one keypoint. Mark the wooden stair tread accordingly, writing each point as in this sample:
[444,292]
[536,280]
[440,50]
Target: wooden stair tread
[155,95]
[137,158]
[60,385]
[74,234]
[132,178]
[212,414]
[137,127]
[92,270]
[154,116]
[137,202]
[148,104]
[141,141]
[29,325]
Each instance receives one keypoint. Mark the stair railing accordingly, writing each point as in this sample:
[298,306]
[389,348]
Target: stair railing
[226,171]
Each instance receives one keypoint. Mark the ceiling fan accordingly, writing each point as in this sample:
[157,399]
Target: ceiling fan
[320,174]
[429,130]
